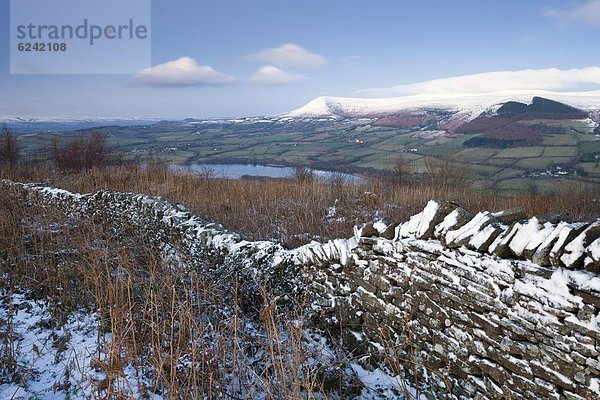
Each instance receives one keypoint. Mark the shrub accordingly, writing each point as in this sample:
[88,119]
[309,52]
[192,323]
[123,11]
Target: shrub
[304,173]
[81,153]
[9,149]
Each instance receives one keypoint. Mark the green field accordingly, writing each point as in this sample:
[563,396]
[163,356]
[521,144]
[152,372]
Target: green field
[353,146]
[521,152]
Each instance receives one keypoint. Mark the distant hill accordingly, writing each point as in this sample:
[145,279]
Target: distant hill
[49,124]
[499,120]
[503,128]
[541,108]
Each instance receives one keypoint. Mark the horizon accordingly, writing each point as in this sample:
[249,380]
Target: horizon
[240,60]
[507,95]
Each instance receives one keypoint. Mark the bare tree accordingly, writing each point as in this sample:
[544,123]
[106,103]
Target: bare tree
[56,153]
[9,148]
[403,170]
[447,173]
[95,151]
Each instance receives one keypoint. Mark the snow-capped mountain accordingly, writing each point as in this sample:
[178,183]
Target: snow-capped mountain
[468,106]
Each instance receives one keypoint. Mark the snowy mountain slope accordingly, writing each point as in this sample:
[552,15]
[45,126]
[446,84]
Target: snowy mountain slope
[468,105]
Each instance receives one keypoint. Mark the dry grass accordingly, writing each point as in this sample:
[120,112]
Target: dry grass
[185,336]
[295,211]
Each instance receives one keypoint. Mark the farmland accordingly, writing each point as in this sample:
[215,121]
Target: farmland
[569,154]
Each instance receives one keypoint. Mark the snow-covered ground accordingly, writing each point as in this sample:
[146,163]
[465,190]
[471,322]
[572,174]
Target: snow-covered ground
[57,360]
[51,361]
[54,359]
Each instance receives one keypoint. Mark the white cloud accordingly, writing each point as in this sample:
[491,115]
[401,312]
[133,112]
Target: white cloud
[184,71]
[488,82]
[271,75]
[587,12]
[288,55]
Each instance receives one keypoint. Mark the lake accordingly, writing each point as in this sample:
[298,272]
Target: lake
[236,171]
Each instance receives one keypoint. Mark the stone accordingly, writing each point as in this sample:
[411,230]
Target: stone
[347,315]
[390,232]
[537,240]
[592,257]
[511,216]
[529,236]
[409,228]
[454,220]
[566,235]
[542,253]
[494,371]
[482,240]
[574,252]
[461,236]
[494,389]
[481,321]
[355,342]
[573,396]
[548,374]
[555,217]
[380,282]
[499,246]
[432,215]
[365,230]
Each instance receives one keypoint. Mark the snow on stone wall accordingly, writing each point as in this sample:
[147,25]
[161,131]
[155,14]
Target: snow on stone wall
[183,239]
[493,305]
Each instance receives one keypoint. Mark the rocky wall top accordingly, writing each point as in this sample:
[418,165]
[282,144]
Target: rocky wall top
[546,240]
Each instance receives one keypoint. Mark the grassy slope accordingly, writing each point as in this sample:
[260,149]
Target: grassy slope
[294,212]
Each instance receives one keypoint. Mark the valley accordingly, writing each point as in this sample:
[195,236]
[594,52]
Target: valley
[506,147]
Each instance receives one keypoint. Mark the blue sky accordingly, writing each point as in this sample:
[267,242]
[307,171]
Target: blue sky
[261,57]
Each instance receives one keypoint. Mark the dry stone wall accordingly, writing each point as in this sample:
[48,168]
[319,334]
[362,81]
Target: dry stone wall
[492,305]
[486,306]
[184,240]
